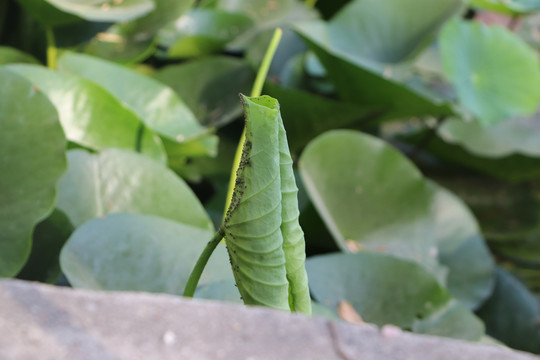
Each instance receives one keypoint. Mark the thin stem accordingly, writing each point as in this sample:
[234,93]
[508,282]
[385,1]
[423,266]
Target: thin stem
[255,91]
[52,51]
[310,3]
[196,273]
[265,65]
[428,137]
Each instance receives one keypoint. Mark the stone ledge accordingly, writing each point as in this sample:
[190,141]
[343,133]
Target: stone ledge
[45,322]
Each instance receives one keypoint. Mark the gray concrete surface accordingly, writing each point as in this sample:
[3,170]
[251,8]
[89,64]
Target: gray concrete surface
[51,323]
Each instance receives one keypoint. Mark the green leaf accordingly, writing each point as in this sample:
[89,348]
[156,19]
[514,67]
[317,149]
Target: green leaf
[133,41]
[91,116]
[387,290]
[48,238]
[515,136]
[201,32]
[519,327]
[119,181]
[105,10]
[210,86]
[32,148]
[139,253]
[351,77]
[11,55]
[155,104]
[372,198]
[264,239]
[495,73]
[388,31]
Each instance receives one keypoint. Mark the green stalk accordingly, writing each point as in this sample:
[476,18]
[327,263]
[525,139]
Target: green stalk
[196,273]
[255,91]
[52,51]
[310,3]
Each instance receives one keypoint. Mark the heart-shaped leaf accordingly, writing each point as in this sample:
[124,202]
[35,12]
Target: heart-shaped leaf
[139,253]
[119,181]
[495,73]
[32,148]
[373,198]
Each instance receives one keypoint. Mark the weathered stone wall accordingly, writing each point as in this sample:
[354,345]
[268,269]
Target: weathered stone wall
[44,322]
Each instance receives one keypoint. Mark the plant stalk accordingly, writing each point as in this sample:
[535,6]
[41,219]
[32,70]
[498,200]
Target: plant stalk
[255,91]
[310,3]
[196,273]
[52,51]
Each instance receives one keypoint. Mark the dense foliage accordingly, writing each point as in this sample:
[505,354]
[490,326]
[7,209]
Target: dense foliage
[412,127]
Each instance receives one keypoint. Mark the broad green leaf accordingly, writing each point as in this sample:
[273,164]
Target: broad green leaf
[387,290]
[511,314]
[210,87]
[133,41]
[139,253]
[47,14]
[388,31]
[495,73]
[511,7]
[32,160]
[372,198]
[201,32]
[91,116]
[105,10]
[514,136]
[155,104]
[48,238]
[119,181]
[11,55]
[352,75]
[264,239]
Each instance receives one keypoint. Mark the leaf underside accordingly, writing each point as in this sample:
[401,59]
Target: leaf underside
[264,239]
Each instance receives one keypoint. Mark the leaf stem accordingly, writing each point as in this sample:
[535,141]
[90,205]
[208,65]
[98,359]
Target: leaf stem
[196,273]
[52,51]
[265,65]
[310,3]
[255,91]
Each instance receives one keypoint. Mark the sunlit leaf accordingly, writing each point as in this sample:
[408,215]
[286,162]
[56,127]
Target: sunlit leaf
[119,181]
[91,116]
